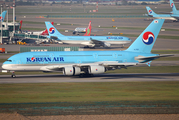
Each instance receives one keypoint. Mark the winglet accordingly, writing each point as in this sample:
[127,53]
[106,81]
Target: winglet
[88,30]
[148,63]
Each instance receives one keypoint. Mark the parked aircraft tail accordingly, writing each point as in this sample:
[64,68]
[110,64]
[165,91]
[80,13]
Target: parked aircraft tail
[3,15]
[88,30]
[145,42]
[150,11]
[20,24]
[52,30]
[172,5]
[45,32]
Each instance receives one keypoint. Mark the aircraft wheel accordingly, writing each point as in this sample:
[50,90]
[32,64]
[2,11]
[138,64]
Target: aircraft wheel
[13,76]
[86,46]
[81,75]
[86,75]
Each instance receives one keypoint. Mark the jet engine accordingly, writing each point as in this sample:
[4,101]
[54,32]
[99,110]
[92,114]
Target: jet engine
[96,69]
[69,70]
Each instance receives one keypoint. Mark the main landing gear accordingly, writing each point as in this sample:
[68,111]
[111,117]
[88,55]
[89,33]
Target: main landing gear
[13,75]
[85,75]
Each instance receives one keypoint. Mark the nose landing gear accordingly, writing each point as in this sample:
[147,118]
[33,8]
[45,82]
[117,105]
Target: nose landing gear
[13,75]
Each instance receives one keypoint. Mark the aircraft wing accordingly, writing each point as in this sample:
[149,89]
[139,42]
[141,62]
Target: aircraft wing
[143,59]
[99,43]
[175,16]
[106,64]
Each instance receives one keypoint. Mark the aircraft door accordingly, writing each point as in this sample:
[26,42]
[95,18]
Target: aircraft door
[95,55]
[115,55]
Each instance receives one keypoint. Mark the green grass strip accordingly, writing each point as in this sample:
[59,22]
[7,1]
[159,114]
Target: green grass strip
[136,28]
[168,59]
[40,29]
[30,22]
[159,36]
[165,51]
[151,69]
[84,92]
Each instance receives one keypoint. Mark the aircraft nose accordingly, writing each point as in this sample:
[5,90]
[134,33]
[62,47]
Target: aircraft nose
[5,66]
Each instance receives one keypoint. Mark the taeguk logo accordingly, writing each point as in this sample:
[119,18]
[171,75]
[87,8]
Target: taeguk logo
[148,38]
[1,18]
[150,11]
[52,30]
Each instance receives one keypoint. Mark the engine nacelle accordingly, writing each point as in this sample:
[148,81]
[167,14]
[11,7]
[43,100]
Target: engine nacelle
[69,70]
[107,44]
[96,69]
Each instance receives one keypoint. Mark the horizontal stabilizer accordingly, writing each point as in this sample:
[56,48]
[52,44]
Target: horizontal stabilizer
[143,59]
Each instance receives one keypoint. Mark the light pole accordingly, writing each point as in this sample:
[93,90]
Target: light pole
[7,6]
[14,15]
[1,24]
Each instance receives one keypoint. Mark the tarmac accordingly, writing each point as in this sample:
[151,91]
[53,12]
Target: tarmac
[55,78]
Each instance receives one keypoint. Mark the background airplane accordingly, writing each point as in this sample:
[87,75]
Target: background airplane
[151,13]
[80,30]
[174,10]
[3,15]
[44,32]
[87,30]
[93,41]
[89,62]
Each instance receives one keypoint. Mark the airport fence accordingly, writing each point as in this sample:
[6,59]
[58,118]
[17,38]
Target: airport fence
[47,48]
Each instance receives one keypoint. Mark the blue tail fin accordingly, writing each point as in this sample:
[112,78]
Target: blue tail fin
[150,11]
[3,15]
[172,5]
[52,31]
[145,42]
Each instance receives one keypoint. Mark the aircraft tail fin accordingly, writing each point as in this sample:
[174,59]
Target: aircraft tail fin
[172,5]
[88,30]
[20,24]
[52,31]
[145,42]
[3,15]
[45,32]
[150,11]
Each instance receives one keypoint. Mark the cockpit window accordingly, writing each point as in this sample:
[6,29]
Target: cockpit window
[9,60]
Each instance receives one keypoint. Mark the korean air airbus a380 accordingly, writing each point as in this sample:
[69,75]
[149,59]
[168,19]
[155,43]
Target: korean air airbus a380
[91,41]
[89,62]
[151,13]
